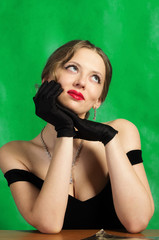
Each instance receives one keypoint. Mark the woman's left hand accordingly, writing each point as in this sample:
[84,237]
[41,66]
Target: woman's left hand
[89,130]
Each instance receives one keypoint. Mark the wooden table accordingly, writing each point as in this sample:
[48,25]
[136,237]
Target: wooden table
[68,234]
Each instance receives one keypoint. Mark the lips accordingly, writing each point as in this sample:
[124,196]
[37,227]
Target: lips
[76,95]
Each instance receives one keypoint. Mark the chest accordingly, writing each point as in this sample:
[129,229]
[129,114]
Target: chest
[89,173]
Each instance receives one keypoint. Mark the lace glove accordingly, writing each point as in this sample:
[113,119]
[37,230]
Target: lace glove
[89,130]
[46,108]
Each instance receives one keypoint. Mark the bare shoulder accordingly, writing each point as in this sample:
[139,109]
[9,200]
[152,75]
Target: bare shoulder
[122,124]
[127,132]
[12,155]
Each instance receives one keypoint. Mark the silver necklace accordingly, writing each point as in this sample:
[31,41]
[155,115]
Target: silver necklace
[50,157]
[44,145]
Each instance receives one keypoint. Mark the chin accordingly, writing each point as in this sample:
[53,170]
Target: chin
[73,107]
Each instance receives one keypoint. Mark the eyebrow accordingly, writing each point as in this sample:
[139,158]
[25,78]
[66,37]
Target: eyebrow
[91,70]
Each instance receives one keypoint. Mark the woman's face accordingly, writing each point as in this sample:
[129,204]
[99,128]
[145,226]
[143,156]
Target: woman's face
[82,79]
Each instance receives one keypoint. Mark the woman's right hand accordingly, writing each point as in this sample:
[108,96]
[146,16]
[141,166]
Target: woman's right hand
[46,108]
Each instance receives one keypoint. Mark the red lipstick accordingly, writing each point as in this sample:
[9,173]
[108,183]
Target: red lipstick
[76,95]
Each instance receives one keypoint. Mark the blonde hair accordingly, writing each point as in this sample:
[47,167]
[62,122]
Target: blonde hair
[64,53]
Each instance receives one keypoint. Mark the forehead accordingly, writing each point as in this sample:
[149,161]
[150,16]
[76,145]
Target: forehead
[90,59]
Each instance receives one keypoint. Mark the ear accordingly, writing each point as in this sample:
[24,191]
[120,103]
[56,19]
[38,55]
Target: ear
[97,104]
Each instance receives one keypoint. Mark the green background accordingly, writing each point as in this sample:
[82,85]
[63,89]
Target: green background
[128,31]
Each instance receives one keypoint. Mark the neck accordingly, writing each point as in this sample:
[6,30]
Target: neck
[82,115]
[50,135]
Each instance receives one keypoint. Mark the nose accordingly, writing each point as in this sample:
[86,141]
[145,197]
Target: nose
[80,82]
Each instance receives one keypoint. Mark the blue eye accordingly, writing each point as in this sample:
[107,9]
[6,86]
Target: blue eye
[72,68]
[96,78]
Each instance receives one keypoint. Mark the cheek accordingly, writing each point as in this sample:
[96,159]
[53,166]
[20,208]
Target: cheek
[94,93]
[62,79]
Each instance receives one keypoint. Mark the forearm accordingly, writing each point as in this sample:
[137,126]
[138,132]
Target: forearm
[131,199]
[51,202]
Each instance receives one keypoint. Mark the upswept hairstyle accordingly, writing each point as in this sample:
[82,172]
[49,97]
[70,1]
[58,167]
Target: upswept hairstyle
[64,53]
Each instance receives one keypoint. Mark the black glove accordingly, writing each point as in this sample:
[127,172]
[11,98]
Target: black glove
[89,130]
[45,102]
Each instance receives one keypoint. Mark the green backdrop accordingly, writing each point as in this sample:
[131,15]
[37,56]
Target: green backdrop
[128,31]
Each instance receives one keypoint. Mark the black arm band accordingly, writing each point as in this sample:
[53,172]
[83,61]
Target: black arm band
[135,156]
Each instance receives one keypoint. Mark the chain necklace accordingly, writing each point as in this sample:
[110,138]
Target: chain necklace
[50,157]
[44,145]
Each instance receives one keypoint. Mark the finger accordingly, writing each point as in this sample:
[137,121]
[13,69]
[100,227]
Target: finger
[66,110]
[51,86]
[54,92]
[41,88]
[58,92]
[55,83]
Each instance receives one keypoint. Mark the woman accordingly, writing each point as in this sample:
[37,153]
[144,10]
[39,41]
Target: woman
[78,173]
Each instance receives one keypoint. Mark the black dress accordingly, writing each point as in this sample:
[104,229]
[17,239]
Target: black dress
[95,213]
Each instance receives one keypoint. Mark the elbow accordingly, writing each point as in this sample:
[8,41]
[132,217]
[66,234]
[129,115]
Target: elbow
[47,223]
[48,226]
[136,226]
[138,223]
[43,228]
[49,230]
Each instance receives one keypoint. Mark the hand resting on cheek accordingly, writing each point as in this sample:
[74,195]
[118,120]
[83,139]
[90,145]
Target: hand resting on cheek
[46,108]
